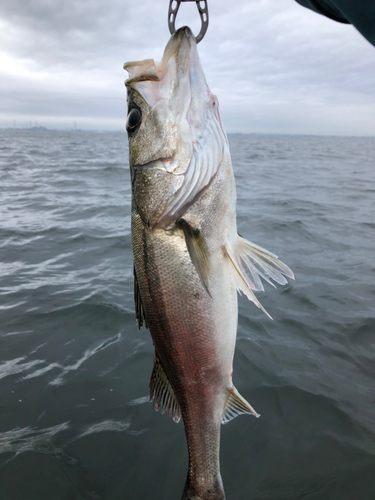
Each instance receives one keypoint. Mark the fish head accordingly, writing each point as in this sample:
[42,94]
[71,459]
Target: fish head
[174,129]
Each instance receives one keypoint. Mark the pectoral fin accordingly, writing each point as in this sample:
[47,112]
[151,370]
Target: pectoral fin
[161,392]
[251,263]
[237,405]
[198,251]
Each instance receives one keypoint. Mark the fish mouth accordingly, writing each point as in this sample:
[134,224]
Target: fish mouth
[169,78]
[182,33]
[183,36]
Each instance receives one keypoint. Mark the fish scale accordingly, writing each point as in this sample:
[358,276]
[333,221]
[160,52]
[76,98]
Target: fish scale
[184,322]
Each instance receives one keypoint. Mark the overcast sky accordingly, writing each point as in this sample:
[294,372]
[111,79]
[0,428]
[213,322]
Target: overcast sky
[275,66]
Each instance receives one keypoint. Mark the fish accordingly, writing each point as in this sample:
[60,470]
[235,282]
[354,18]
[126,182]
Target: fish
[189,261]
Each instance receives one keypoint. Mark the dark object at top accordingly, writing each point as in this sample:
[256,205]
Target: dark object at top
[203,12]
[359,13]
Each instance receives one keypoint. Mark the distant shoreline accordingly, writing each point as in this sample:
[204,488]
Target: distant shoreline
[40,128]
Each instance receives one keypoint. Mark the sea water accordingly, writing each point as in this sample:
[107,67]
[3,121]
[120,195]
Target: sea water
[75,421]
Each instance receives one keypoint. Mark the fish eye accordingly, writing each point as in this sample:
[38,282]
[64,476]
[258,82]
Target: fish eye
[134,119]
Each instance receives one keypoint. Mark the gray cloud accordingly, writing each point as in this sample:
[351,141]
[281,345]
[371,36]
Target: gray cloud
[275,66]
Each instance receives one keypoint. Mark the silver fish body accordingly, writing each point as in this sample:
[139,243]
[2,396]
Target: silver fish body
[189,261]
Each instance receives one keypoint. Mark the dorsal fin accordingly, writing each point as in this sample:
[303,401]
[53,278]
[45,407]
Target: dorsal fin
[139,311]
[237,405]
[161,392]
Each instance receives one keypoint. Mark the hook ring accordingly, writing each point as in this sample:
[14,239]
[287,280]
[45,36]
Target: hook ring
[174,5]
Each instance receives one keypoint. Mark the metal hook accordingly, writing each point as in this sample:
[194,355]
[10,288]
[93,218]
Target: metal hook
[203,12]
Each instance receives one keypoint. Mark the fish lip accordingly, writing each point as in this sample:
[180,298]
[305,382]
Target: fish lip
[181,36]
[184,30]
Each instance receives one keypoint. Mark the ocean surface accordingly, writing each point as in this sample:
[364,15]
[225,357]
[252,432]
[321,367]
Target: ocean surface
[75,421]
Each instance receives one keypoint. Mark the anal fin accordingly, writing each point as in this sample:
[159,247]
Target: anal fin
[237,405]
[161,392]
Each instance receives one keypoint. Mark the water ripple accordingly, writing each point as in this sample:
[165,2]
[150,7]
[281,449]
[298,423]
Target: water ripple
[27,439]
[106,426]
[14,366]
[65,370]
